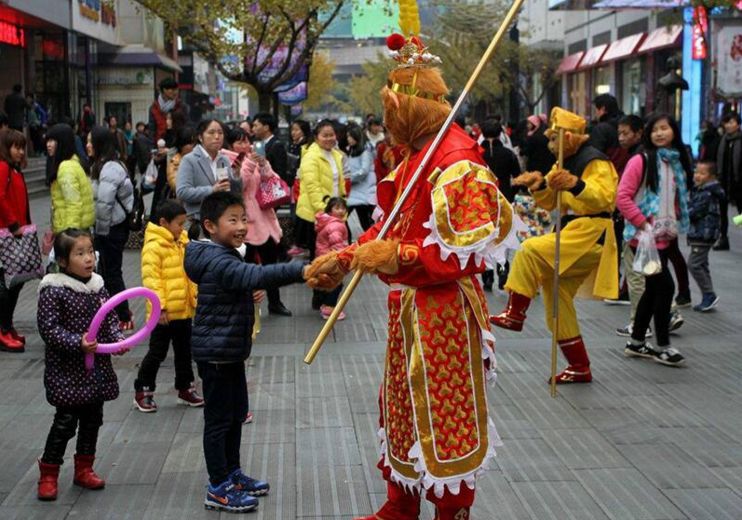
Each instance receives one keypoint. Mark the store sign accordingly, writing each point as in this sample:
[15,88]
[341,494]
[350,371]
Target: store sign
[700,30]
[729,60]
[98,11]
[97,19]
[12,35]
[125,76]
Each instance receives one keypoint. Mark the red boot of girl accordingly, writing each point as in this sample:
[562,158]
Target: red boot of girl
[84,474]
[49,474]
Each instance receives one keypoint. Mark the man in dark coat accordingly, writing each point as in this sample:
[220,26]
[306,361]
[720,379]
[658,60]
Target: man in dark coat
[264,126]
[729,165]
[15,108]
[604,135]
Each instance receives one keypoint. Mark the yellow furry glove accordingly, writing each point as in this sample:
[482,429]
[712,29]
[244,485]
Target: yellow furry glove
[377,256]
[325,272]
[531,180]
[561,180]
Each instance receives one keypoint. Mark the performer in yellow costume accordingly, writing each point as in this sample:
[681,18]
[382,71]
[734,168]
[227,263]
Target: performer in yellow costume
[436,436]
[587,184]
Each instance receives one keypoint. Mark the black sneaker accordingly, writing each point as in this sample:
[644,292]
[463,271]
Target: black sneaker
[669,357]
[644,350]
[683,300]
[676,321]
[628,329]
[722,244]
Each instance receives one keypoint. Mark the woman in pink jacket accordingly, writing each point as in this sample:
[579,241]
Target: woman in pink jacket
[653,198]
[332,235]
[263,230]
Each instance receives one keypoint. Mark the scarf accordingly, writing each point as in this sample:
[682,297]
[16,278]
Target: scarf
[166,105]
[649,204]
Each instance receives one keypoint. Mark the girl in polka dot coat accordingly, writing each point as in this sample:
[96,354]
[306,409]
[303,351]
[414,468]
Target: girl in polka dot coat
[67,304]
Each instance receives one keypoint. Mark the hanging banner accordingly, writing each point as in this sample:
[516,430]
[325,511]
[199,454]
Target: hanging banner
[728,57]
[700,30]
[295,95]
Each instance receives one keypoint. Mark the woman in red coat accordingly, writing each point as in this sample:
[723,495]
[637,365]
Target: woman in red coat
[14,214]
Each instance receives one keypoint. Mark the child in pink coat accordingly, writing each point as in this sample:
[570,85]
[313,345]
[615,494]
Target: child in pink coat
[332,235]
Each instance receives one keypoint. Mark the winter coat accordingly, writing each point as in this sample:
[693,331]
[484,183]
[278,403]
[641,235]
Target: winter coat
[316,181]
[732,184]
[72,197]
[604,137]
[112,191]
[537,154]
[66,308]
[362,178]
[163,272]
[222,327]
[262,224]
[504,164]
[14,206]
[195,180]
[705,213]
[332,233]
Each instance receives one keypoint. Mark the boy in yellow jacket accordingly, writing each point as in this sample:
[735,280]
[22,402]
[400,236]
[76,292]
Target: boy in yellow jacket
[163,272]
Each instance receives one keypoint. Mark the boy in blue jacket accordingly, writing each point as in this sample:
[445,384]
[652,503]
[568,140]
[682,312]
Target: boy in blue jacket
[705,229]
[222,339]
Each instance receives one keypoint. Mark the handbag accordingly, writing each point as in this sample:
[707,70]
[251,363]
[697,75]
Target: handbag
[20,257]
[272,192]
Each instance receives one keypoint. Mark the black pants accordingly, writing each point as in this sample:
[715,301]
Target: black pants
[267,254]
[111,249]
[364,214]
[179,332]
[655,301]
[86,420]
[680,266]
[331,298]
[724,208]
[8,302]
[305,235]
[225,393]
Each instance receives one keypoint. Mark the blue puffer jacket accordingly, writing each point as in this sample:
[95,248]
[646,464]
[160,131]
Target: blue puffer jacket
[705,213]
[222,327]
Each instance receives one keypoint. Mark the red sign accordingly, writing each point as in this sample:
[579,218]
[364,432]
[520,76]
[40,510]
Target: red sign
[700,29]
[12,35]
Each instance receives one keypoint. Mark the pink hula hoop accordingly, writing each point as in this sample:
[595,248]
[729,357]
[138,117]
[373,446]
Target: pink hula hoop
[134,339]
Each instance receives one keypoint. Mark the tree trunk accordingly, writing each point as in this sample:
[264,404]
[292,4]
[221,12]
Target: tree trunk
[265,99]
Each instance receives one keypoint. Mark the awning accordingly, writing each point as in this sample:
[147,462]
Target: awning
[623,47]
[569,63]
[592,56]
[662,38]
[640,4]
[137,56]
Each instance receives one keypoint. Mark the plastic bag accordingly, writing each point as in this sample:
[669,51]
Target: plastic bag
[647,259]
[149,179]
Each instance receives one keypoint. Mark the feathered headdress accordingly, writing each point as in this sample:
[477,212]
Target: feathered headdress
[407,49]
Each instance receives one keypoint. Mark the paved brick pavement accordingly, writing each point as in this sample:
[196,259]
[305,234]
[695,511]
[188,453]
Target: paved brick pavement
[642,441]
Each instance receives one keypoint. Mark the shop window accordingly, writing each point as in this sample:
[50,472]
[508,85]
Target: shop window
[601,81]
[633,88]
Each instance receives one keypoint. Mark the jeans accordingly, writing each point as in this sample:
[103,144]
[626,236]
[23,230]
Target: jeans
[179,332]
[86,419]
[8,302]
[111,249]
[225,395]
[267,254]
[656,301]
[699,267]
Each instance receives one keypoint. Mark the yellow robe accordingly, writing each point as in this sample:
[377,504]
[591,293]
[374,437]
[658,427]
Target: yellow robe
[583,261]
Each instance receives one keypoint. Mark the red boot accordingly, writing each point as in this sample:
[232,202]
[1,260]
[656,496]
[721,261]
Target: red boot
[9,344]
[578,370]
[515,313]
[400,505]
[49,473]
[14,334]
[84,474]
[452,513]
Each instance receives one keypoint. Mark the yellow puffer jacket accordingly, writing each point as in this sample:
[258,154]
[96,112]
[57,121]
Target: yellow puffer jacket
[163,272]
[316,181]
[72,197]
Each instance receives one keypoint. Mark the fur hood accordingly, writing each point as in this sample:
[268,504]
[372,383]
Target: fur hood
[94,285]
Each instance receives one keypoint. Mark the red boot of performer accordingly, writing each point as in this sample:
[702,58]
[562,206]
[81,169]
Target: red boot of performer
[450,506]
[578,370]
[84,474]
[515,313]
[48,475]
[399,505]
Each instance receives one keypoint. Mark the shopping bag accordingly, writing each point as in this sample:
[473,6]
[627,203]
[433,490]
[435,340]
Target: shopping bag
[20,257]
[647,259]
[149,179]
[273,192]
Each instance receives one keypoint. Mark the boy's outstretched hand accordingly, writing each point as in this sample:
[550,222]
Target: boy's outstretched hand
[324,273]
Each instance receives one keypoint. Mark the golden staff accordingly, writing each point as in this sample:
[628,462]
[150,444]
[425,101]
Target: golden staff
[345,296]
[555,298]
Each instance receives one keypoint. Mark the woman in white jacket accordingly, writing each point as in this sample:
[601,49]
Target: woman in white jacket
[360,169]
[114,200]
